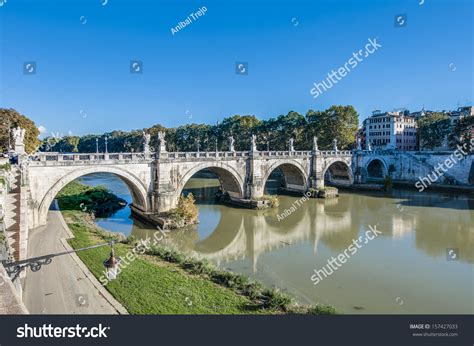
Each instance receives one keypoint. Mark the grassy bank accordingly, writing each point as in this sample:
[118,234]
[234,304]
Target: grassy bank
[95,200]
[163,281]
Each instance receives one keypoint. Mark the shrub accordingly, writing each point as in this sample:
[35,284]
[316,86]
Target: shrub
[388,183]
[186,209]
[274,299]
[322,310]
[273,200]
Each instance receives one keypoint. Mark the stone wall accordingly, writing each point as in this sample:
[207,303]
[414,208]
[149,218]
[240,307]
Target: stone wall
[4,247]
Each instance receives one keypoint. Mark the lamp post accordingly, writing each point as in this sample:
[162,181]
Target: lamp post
[112,264]
[35,263]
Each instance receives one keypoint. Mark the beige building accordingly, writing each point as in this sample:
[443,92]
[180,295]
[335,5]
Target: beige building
[390,130]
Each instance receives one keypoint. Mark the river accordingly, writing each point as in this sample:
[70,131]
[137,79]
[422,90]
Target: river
[421,262]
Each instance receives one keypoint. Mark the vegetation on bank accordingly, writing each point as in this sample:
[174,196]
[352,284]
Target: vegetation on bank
[186,212]
[273,200]
[95,200]
[163,281]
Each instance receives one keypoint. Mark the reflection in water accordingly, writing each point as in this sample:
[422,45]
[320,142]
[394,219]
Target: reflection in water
[407,260]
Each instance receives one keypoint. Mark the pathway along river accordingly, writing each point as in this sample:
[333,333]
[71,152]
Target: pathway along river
[408,268]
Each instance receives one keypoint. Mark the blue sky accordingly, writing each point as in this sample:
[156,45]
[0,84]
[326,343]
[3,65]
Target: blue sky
[83,82]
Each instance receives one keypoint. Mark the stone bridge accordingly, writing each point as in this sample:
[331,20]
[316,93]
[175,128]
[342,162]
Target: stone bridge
[156,180]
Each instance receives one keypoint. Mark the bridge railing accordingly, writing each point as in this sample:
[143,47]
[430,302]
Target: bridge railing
[281,153]
[335,152]
[204,154]
[45,158]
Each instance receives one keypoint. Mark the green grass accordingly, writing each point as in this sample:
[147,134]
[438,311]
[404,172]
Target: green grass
[150,285]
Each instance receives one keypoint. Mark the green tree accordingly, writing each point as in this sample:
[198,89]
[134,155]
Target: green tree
[433,129]
[10,119]
[461,134]
[336,122]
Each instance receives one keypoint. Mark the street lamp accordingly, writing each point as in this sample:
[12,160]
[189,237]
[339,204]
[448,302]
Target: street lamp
[15,268]
[112,264]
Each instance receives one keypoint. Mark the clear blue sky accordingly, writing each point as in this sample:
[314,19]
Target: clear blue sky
[190,76]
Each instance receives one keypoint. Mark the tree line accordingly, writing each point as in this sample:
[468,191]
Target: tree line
[435,128]
[339,122]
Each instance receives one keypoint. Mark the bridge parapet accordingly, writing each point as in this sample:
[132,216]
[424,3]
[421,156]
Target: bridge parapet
[203,155]
[60,159]
[334,153]
[282,154]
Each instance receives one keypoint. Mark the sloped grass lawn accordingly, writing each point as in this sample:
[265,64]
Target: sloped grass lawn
[149,285]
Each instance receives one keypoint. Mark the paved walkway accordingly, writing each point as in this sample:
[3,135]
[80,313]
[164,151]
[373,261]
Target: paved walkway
[65,286]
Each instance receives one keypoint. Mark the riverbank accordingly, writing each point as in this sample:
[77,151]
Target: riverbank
[163,281]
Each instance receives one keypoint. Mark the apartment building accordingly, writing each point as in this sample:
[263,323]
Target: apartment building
[390,130]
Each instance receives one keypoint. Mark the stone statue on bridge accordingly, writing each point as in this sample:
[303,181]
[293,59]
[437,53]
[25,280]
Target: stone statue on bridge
[315,144]
[231,144]
[161,142]
[19,137]
[146,142]
[359,145]
[291,144]
[253,147]
[334,144]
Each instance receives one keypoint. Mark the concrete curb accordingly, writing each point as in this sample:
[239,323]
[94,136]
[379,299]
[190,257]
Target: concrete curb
[103,292]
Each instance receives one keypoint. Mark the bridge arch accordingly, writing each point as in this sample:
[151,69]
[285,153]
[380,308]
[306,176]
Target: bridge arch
[293,172]
[137,190]
[376,168]
[231,181]
[338,172]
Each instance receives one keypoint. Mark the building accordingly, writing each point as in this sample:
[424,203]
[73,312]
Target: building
[390,130]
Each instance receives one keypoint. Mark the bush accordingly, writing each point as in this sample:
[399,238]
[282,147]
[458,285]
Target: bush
[274,299]
[273,200]
[388,183]
[322,310]
[186,209]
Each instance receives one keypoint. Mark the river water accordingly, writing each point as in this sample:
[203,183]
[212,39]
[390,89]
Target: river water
[421,262]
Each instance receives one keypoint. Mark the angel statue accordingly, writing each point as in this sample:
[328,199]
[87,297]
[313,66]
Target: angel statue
[254,144]
[19,135]
[231,143]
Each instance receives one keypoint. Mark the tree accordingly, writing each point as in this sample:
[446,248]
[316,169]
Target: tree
[433,129]
[336,122]
[462,134]
[10,119]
